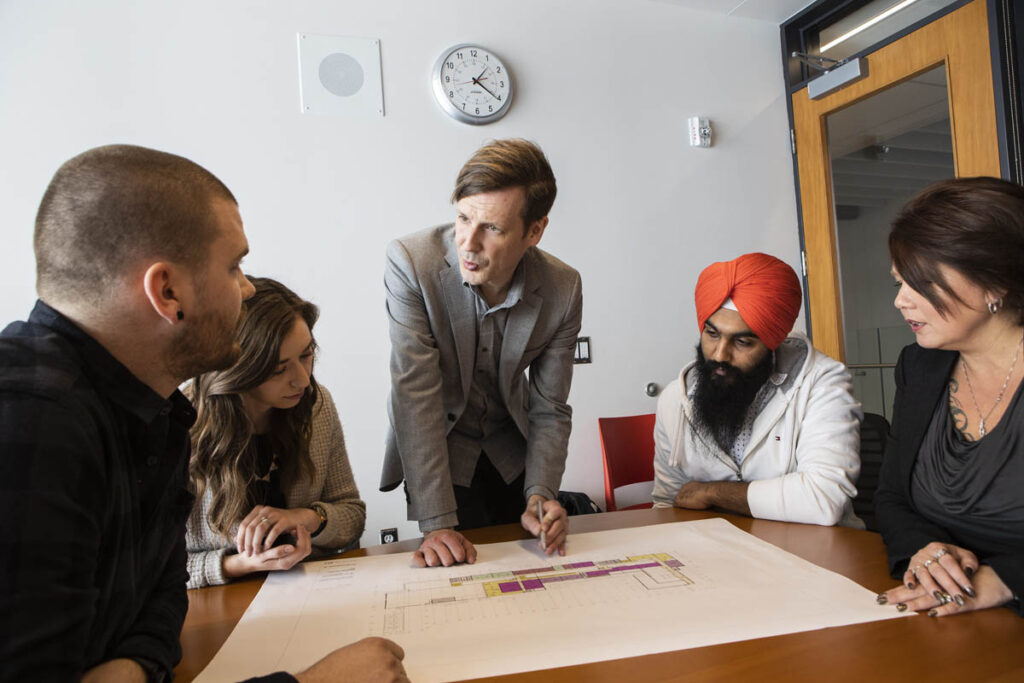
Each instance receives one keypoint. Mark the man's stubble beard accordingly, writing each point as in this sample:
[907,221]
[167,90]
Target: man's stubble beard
[205,344]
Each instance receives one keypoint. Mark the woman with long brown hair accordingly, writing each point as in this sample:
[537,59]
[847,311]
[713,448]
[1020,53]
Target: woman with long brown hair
[949,498]
[269,466]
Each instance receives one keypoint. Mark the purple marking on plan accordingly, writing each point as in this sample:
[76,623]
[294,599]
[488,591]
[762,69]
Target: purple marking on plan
[532,584]
[509,586]
[673,563]
[577,565]
[561,577]
[635,566]
[520,572]
[599,572]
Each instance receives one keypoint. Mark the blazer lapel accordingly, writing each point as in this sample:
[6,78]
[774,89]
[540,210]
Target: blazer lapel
[929,384]
[462,316]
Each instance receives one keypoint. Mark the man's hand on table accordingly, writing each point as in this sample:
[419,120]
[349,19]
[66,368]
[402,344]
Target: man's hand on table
[444,547]
[730,496]
[555,523]
[370,659]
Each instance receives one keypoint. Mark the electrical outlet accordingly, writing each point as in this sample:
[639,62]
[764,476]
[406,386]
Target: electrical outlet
[582,350]
[389,535]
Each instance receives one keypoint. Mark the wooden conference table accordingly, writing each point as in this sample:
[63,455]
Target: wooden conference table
[978,646]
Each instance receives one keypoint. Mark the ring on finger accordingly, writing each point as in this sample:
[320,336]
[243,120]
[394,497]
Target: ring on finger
[264,520]
[938,555]
[928,563]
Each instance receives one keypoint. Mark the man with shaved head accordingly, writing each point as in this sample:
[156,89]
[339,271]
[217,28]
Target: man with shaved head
[140,287]
[760,423]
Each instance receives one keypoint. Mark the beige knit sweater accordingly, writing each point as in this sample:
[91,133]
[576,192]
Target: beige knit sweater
[332,486]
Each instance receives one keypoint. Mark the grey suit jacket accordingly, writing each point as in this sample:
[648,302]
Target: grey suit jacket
[432,324]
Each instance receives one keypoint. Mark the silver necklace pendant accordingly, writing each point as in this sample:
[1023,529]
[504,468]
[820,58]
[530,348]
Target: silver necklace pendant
[1006,383]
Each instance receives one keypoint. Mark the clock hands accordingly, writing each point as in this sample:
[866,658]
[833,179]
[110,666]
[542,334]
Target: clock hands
[476,81]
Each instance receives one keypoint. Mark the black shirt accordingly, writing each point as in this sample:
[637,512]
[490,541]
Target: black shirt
[93,502]
[973,488]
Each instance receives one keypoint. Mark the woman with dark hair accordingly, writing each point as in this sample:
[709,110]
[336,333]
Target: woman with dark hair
[949,501]
[268,454]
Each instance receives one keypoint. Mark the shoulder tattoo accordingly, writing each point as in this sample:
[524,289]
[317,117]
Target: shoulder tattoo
[956,410]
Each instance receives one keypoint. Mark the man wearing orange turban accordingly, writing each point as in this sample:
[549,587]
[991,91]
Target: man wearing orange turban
[760,423]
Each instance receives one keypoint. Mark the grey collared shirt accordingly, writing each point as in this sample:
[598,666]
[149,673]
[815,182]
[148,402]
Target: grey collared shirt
[485,425]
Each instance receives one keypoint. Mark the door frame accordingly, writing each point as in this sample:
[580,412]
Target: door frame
[919,47]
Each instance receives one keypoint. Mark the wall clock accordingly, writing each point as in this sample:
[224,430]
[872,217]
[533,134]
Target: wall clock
[472,84]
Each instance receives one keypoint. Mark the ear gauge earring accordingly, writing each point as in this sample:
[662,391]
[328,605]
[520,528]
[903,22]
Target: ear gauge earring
[181,316]
[993,306]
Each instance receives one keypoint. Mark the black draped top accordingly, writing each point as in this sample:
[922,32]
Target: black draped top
[975,489]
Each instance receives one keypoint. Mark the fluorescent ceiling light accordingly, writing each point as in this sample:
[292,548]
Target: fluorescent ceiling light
[867,24]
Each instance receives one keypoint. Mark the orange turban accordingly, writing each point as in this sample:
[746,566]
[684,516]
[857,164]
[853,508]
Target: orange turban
[765,290]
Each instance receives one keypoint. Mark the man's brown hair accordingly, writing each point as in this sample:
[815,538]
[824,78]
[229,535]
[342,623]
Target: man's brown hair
[510,163]
[111,206]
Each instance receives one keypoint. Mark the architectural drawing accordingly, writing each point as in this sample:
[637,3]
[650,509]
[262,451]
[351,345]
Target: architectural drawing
[423,602]
[619,593]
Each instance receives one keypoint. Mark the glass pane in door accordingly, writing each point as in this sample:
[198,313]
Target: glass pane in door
[883,150]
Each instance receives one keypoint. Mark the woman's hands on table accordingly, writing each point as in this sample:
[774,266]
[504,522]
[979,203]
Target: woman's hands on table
[946,579]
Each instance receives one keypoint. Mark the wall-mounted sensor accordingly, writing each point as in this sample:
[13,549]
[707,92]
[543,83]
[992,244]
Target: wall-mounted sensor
[700,131]
[652,389]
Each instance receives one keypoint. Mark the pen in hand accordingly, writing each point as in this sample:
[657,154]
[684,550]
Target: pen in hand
[540,518]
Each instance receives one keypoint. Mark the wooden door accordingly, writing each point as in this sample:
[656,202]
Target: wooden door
[959,41]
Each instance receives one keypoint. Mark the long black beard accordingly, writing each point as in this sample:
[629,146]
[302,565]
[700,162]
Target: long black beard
[720,404]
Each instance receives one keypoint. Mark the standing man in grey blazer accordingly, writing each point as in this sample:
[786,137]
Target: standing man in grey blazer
[471,307]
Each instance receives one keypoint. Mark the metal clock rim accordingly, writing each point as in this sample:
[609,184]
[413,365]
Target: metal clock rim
[451,109]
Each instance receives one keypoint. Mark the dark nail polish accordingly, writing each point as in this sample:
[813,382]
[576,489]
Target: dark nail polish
[969,571]
[933,612]
[902,607]
[958,599]
[882,599]
[970,592]
[938,595]
[910,585]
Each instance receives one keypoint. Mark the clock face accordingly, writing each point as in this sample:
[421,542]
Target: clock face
[472,85]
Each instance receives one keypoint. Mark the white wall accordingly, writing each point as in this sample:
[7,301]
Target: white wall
[604,86]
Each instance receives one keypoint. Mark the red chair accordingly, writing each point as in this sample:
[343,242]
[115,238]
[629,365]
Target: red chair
[627,444]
